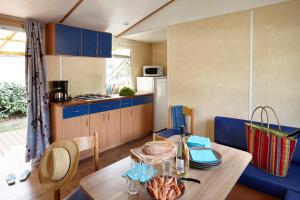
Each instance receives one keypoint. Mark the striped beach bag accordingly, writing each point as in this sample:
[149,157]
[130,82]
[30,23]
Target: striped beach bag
[271,149]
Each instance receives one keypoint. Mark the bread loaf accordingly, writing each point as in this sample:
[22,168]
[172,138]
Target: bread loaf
[157,148]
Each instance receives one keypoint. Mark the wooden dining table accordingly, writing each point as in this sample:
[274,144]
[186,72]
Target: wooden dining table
[216,183]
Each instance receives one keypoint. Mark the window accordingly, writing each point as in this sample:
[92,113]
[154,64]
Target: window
[118,69]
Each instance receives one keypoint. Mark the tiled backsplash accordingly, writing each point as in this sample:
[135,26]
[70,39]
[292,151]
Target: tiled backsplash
[85,74]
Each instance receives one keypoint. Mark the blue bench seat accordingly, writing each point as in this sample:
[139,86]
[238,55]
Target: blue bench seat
[292,195]
[231,132]
[276,186]
[166,133]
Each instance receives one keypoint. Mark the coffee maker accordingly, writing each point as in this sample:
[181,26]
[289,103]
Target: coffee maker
[60,91]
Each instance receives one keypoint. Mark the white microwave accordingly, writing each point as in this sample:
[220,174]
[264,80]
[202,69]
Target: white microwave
[153,71]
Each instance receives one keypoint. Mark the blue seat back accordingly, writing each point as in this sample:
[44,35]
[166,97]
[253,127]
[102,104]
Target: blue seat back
[231,132]
[178,118]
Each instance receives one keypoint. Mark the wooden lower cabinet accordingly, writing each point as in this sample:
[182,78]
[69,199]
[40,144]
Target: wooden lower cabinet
[148,118]
[113,127]
[98,124]
[77,127]
[107,124]
[126,124]
[136,121]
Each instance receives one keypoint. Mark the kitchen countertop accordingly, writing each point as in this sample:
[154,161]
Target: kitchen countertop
[74,102]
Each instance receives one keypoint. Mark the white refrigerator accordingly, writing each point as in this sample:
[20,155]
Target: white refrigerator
[158,86]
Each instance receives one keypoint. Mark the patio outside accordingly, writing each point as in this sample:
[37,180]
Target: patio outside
[13,107]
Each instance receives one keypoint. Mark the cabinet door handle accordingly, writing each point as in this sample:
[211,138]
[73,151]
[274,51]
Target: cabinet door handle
[86,122]
[79,51]
[77,111]
[131,112]
[96,51]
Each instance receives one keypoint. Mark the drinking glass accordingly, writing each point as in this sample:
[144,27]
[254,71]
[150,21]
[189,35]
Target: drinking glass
[134,183]
[133,186]
[167,167]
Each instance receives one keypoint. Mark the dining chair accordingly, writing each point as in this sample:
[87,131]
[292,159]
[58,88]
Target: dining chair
[177,117]
[86,143]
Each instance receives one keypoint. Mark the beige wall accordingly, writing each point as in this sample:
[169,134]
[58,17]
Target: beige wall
[159,55]
[141,54]
[208,68]
[208,64]
[86,74]
[276,62]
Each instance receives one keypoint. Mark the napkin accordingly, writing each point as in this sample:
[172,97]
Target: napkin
[196,141]
[143,178]
[203,156]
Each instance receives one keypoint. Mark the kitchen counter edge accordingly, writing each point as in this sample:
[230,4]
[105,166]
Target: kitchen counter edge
[74,102]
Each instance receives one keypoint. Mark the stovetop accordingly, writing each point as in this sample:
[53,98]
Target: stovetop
[92,97]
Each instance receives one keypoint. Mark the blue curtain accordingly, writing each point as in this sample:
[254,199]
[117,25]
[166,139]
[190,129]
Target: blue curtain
[38,132]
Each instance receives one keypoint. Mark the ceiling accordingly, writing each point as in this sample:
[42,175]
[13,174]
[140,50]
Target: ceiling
[110,15]
[43,10]
[181,11]
[156,35]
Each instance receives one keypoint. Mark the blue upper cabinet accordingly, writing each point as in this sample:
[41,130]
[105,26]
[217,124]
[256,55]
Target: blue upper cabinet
[104,44]
[67,40]
[89,43]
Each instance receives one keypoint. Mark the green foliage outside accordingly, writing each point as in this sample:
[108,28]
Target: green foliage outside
[126,91]
[12,100]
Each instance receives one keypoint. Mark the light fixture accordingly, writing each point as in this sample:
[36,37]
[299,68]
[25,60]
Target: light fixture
[126,23]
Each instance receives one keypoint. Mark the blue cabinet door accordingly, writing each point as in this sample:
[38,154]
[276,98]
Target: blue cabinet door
[67,40]
[138,100]
[75,111]
[89,43]
[104,106]
[104,44]
[126,103]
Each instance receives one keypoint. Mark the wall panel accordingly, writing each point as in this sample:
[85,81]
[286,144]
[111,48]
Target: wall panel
[276,61]
[208,68]
[208,64]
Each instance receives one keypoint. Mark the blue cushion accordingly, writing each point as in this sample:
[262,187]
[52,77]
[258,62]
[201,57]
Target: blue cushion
[231,132]
[78,194]
[178,118]
[291,195]
[169,133]
[258,179]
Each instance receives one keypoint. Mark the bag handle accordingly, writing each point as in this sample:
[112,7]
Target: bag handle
[268,107]
[264,109]
[261,118]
